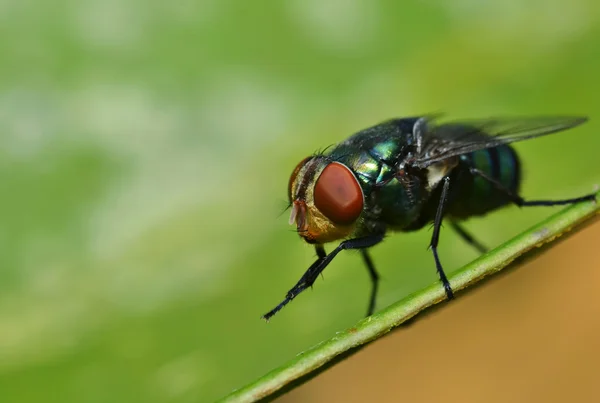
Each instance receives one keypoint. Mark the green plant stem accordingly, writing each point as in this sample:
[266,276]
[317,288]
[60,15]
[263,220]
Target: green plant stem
[311,362]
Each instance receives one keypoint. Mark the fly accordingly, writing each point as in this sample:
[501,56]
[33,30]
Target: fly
[404,174]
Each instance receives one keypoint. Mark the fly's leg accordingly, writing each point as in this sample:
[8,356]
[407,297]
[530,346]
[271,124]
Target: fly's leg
[467,237]
[437,224]
[374,280]
[519,201]
[307,280]
[323,259]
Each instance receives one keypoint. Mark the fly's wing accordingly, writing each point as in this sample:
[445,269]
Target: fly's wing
[456,138]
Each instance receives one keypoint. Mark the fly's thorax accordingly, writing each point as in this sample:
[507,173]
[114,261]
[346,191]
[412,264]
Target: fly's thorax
[401,192]
[327,200]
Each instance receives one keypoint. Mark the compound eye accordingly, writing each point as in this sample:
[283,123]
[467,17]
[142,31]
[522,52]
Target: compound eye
[294,175]
[338,194]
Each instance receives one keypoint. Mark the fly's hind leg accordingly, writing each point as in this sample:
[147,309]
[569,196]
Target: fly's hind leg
[519,201]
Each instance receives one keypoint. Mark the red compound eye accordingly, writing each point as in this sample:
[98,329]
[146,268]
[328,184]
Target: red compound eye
[338,194]
[294,175]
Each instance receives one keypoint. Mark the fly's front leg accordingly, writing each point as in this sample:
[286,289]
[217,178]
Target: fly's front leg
[309,277]
[307,280]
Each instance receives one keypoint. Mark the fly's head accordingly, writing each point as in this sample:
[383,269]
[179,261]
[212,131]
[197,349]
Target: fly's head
[326,198]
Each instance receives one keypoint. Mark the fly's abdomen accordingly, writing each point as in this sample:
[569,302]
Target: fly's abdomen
[474,195]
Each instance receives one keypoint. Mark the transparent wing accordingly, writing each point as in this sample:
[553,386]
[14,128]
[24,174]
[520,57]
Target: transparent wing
[455,138]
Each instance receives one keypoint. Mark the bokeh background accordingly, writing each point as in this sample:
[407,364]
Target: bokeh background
[145,152]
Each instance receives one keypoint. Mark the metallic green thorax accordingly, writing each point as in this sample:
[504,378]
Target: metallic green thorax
[398,197]
[374,155]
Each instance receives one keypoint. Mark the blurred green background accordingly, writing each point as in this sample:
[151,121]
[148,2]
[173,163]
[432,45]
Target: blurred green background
[145,152]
